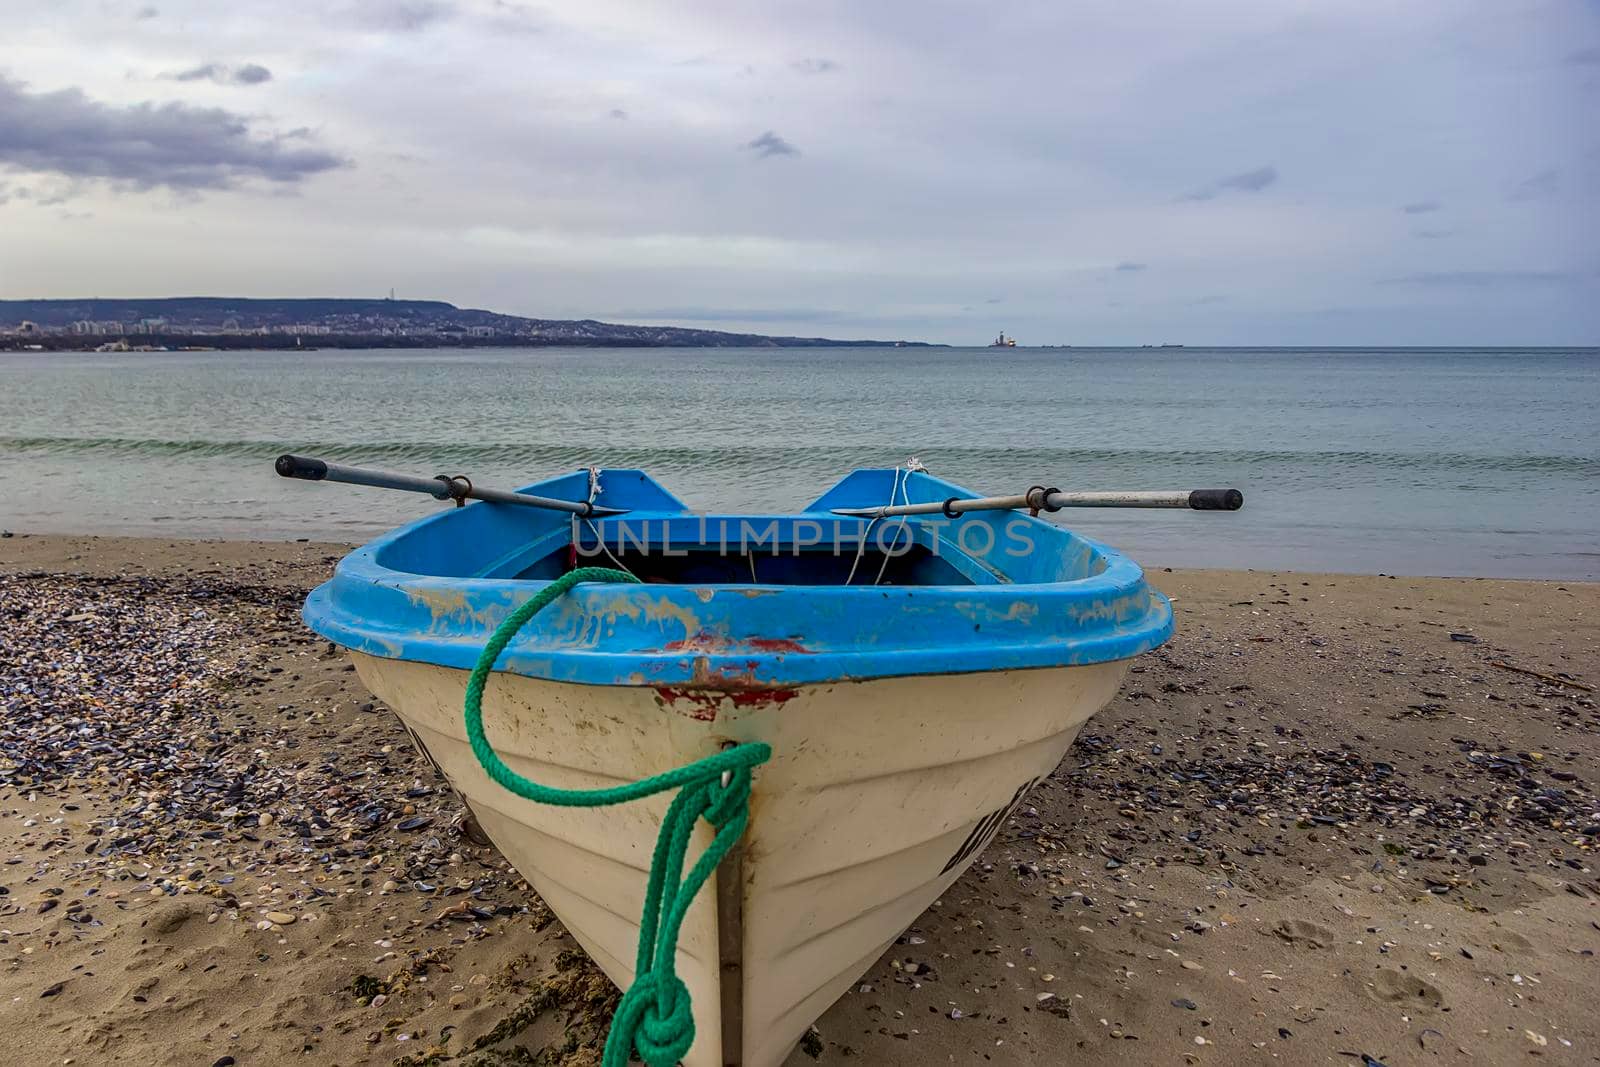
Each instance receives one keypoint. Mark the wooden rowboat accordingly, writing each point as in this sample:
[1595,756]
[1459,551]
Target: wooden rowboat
[914,676]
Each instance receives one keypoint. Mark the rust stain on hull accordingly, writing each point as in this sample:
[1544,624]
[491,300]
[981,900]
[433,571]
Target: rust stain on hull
[703,704]
[698,704]
[763,698]
[733,682]
[776,644]
[705,641]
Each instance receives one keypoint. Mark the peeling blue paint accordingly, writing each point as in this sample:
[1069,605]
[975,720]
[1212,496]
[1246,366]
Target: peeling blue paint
[433,590]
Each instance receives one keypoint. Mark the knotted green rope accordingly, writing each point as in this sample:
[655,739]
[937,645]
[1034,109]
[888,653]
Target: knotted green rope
[654,1015]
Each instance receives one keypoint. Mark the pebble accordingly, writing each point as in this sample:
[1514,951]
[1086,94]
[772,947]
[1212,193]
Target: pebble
[166,686]
[1220,780]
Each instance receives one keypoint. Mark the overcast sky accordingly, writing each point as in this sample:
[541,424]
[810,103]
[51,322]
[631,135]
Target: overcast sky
[1091,173]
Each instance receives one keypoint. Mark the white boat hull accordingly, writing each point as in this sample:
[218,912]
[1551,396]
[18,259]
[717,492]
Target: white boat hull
[878,795]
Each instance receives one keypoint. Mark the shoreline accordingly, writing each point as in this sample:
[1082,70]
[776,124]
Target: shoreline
[1319,823]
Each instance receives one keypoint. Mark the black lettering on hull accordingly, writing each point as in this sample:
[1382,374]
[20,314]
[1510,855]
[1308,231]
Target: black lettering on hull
[987,827]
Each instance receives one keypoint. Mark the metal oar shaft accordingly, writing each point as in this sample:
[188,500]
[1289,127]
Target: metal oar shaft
[444,487]
[1194,499]
[1054,500]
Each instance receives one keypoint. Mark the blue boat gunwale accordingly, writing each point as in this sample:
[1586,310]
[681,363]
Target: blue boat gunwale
[731,636]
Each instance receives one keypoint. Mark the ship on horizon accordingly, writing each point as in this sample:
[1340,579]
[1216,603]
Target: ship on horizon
[1003,341]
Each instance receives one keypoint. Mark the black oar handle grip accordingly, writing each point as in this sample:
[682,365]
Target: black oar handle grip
[1216,500]
[312,470]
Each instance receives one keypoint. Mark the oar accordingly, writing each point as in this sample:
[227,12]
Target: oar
[1039,498]
[441,487]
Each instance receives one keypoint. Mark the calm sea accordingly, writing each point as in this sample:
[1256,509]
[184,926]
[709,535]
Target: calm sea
[1410,461]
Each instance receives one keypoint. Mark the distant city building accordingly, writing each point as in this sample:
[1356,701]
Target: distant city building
[104,327]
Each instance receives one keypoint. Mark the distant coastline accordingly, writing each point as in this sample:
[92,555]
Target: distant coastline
[234,323]
[354,342]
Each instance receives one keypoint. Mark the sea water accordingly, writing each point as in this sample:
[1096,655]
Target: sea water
[1478,462]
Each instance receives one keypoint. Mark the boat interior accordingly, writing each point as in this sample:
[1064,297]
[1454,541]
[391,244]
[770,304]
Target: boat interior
[782,550]
[660,541]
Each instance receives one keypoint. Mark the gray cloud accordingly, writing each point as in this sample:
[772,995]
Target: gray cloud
[145,13]
[1588,57]
[249,74]
[1420,207]
[145,145]
[1478,279]
[618,113]
[204,72]
[1535,188]
[46,197]
[769,144]
[1251,181]
[815,66]
[1130,266]
[408,16]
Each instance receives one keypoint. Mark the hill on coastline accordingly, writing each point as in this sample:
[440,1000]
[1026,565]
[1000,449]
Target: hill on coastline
[246,322]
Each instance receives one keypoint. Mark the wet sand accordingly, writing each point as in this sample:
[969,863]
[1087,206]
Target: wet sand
[1320,824]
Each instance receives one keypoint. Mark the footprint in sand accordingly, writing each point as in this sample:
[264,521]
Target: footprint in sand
[1301,932]
[1396,987]
[1508,941]
[171,916]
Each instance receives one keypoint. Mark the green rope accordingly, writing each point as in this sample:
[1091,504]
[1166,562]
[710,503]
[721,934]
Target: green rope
[654,1015]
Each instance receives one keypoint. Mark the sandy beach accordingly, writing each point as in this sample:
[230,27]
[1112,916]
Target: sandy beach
[1338,819]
